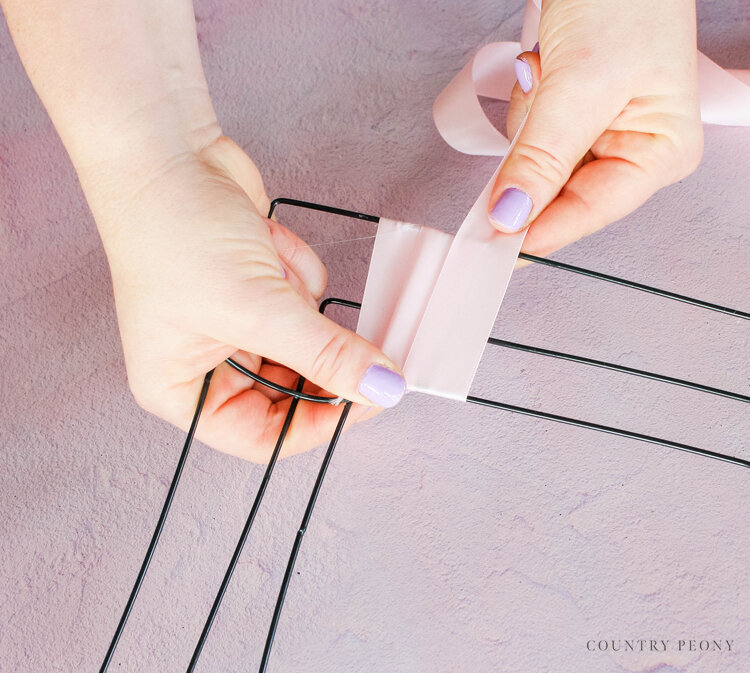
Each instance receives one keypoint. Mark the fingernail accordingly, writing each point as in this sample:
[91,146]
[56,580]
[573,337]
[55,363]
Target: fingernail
[512,209]
[283,272]
[382,386]
[535,48]
[523,73]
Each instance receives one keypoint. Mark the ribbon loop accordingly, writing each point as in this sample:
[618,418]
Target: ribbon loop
[431,299]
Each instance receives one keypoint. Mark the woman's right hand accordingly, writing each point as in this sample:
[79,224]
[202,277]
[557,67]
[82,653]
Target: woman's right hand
[612,115]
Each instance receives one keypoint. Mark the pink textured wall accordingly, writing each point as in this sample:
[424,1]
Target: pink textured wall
[447,537]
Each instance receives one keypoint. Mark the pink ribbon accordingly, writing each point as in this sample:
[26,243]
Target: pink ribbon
[431,298]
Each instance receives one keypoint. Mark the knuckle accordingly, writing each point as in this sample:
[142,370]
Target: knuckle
[541,163]
[333,357]
[287,242]
[295,254]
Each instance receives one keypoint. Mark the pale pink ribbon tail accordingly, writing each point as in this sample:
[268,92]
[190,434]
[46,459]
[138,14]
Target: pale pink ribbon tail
[431,299]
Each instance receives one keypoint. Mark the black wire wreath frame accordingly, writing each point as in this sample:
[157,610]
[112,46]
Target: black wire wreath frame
[297,394]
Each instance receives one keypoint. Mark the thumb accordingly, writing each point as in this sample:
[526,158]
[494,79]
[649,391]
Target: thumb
[329,355]
[563,121]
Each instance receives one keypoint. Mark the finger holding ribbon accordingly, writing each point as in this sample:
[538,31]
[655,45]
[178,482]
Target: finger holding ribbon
[601,116]
[612,116]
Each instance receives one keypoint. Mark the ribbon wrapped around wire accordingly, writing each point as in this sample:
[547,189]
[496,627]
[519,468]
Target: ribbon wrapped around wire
[431,298]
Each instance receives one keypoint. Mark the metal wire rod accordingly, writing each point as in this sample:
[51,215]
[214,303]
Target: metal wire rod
[609,430]
[296,394]
[586,424]
[322,208]
[619,368]
[300,534]
[159,525]
[745,315]
[636,286]
[245,532]
[580,359]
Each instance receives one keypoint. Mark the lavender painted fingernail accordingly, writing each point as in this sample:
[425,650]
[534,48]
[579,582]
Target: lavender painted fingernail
[523,74]
[283,272]
[535,48]
[511,210]
[382,386]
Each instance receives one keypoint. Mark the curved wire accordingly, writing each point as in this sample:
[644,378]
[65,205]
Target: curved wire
[296,397]
[299,395]
[325,209]
[296,394]
[159,525]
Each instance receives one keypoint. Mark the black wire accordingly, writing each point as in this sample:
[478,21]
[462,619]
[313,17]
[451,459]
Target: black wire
[159,525]
[609,430]
[578,358]
[335,301]
[245,532]
[619,368]
[300,534]
[299,395]
[322,208]
[296,394]
[586,424]
[636,286]
[540,260]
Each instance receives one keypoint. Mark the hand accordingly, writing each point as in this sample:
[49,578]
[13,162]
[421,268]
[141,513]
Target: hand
[199,276]
[613,116]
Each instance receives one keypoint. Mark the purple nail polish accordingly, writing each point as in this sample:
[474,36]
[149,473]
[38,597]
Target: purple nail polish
[283,272]
[523,73]
[382,386]
[512,209]
[535,48]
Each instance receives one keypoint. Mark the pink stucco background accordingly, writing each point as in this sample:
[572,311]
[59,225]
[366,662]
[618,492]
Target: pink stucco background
[447,537]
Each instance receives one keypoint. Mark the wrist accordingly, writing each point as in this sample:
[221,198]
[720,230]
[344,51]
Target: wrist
[122,80]
[143,142]
[116,161]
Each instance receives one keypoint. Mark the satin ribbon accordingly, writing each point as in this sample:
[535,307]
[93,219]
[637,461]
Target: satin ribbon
[431,298]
